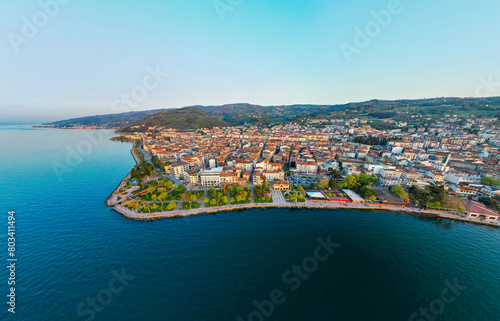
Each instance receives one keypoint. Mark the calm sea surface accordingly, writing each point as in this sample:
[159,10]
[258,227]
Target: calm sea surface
[79,260]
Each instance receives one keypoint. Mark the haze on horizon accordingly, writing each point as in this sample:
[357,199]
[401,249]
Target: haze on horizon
[77,58]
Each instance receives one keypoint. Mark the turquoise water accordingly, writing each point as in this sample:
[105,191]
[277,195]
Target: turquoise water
[213,267]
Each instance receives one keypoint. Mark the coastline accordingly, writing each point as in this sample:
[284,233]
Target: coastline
[111,201]
[237,207]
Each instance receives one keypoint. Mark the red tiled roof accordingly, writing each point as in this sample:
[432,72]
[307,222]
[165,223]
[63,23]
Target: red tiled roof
[478,208]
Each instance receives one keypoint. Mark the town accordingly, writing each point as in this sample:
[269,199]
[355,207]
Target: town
[450,167]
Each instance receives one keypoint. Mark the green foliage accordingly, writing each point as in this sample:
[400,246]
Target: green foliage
[239,114]
[121,139]
[380,125]
[400,192]
[323,183]
[434,205]
[212,193]
[367,193]
[490,181]
[262,198]
[194,195]
[349,182]
[183,118]
[239,194]
[190,205]
[294,196]
[490,203]
[168,185]
[181,188]
[434,197]
[217,198]
[171,206]
[370,140]
[156,162]
[353,181]
[365,179]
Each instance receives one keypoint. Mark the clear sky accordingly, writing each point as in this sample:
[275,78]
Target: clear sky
[82,57]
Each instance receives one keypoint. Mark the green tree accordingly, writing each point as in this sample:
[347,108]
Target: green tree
[349,182]
[169,185]
[134,174]
[180,188]
[323,183]
[367,193]
[489,181]
[435,205]
[365,179]
[399,191]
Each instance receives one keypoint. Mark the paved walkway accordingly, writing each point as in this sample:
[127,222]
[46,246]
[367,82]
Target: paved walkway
[278,197]
[307,204]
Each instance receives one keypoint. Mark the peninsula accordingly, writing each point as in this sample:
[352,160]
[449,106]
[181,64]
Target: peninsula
[442,166]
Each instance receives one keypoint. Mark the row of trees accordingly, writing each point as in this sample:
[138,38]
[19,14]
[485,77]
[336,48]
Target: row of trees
[156,162]
[370,140]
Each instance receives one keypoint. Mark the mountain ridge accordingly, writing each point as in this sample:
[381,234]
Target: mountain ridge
[245,113]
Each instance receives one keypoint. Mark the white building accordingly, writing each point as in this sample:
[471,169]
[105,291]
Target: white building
[211,177]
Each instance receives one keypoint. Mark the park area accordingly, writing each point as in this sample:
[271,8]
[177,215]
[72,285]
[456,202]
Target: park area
[159,196]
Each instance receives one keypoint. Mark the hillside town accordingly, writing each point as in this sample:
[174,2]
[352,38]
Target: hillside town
[445,166]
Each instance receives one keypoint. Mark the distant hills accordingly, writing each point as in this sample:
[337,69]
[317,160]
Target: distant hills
[184,118]
[195,117]
[114,121]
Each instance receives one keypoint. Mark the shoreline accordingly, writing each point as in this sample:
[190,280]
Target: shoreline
[231,208]
[111,201]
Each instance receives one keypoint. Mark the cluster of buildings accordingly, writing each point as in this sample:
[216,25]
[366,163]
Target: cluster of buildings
[455,155]
[444,154]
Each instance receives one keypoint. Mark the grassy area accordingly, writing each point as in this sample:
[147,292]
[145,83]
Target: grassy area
[158,207]
[193,195]
[159,191]
[263,199]
[190,205]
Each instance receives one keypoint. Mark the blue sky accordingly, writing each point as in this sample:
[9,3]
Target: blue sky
[90,53]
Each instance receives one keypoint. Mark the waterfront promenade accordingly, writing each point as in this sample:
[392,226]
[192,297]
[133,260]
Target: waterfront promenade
[278,202]
[308,204]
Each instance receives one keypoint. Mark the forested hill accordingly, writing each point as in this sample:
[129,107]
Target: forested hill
[241,113]
[183,119]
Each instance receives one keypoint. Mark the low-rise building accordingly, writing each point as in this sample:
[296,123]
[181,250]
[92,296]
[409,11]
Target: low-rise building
[281,185]
[479,211]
